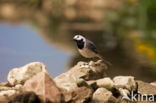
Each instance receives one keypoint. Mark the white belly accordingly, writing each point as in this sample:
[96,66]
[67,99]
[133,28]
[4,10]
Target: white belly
[86,53]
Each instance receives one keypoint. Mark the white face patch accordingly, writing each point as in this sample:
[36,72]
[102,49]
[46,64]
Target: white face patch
[79,37]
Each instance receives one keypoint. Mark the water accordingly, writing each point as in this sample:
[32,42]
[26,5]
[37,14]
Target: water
[20,44]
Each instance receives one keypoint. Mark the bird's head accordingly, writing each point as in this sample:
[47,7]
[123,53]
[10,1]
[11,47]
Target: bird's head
[79,38]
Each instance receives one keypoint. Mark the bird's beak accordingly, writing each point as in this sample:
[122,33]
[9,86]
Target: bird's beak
[74,39]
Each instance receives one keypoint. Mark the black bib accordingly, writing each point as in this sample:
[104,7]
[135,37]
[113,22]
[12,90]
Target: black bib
[80,44]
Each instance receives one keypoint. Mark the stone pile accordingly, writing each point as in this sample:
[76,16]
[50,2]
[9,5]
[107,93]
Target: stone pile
[84,83]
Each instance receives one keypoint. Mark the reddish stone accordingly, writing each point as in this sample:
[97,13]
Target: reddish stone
[44,87]
[79,95]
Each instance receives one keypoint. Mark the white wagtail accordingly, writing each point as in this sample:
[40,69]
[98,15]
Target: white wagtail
[87,48]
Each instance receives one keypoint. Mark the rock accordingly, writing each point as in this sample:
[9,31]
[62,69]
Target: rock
[82,82]
[153,83]
[66,82]
[42,85]
[4,88]
[79,95]
[18,87]
[105,82]
[124,92]
[143,95]
[92,84]
[67,96]
[20,75]
[7,93]
[87,71]
[3,101]
[126,82]
[4,84]
[82,95]
[27,97]
[98,68]
[102,95]
[146,88]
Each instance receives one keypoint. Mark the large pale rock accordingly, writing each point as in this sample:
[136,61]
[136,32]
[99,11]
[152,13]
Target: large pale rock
[102,95]
[42,85]
[66,82]
[80,72]
[126,82]
[20,75]
[105,82]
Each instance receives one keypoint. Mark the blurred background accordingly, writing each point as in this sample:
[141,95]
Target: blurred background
[42,30]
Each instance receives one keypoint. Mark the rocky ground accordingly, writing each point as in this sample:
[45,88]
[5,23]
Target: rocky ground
[84,83]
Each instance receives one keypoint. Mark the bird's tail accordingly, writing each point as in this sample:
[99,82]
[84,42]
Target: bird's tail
[105,61]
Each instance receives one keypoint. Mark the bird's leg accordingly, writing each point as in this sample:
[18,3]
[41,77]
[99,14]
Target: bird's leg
[92,59]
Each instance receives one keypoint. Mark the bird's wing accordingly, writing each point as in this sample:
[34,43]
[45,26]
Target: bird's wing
[90,45]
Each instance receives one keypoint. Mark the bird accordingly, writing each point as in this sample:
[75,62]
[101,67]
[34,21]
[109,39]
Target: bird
[87,48]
